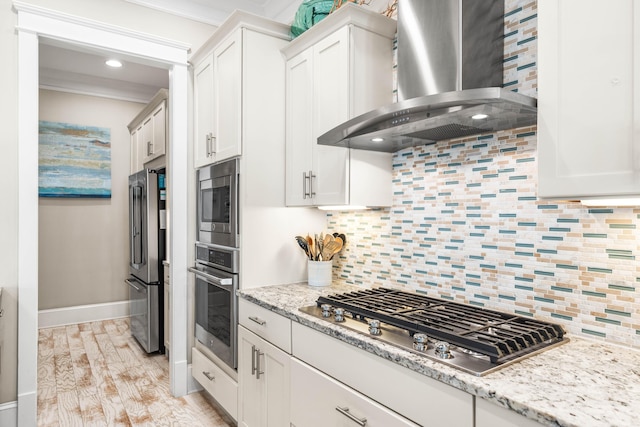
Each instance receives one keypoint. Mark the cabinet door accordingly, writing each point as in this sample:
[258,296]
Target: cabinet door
[147,139]
[299,141]
[490,415]
[227,89]
[331,94]
[136,163]
[589,141]
[159,130]
[263,374]
[318,400]
[204,112]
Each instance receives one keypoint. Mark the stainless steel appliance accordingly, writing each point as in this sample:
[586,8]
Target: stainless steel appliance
[217,203]
[216,274]
[471,338]
[450,78]
[146,250]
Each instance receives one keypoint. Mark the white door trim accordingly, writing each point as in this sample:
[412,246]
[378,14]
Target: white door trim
[35,22]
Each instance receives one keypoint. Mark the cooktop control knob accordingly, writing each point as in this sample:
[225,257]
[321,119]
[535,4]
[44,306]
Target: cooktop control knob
[326,310]
[420,342]
[443,350]
[339,314]
[374,327]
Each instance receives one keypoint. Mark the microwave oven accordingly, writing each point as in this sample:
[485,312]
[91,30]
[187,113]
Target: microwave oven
[217,204]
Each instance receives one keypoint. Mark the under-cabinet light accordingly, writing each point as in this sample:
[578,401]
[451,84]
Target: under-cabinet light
[377,139]
[343,208]
[479,116]
[626,201]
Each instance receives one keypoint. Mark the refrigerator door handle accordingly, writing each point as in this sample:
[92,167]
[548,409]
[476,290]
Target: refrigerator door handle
[134,286]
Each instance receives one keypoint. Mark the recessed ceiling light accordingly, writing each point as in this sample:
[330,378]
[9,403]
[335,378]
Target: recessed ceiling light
[114,63]
[479,116]
[377,139]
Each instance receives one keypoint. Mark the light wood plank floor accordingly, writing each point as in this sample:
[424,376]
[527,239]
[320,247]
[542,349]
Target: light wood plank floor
[96,374]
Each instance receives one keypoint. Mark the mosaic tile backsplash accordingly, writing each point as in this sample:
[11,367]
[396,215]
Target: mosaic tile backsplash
[466,225]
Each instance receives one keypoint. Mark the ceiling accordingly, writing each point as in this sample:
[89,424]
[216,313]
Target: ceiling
[75,69]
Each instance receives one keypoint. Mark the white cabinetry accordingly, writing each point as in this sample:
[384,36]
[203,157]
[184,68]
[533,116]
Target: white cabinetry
[429,401]
[215,381]
[588,98]
[338,69]
[136,150]
[263,368]
[218,101]
[318,401]
[149,132]
[490,415]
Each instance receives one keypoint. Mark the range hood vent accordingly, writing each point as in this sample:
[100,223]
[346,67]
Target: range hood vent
[450,56]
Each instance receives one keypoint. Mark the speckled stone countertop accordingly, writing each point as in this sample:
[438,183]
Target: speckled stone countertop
[581,383]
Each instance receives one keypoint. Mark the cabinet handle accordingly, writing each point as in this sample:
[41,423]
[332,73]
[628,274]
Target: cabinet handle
[258,371]
[257,320]
[253,360]
[149,148]
[210,139]
[304,185]
[214,141]
[311,193]
[210,376]
[345,411]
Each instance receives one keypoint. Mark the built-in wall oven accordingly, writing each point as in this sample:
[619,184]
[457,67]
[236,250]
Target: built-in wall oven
[216,302]
[217,201]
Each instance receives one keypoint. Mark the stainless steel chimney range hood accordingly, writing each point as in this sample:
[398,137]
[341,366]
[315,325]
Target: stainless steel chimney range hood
[450,56]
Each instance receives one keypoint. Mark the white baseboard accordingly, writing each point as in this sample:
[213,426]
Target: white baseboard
[82,314]
[9,414]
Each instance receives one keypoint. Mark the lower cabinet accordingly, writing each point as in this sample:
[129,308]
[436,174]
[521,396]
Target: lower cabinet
[318,400]
[491,415]
[422,400]
[263,376]
[215,381]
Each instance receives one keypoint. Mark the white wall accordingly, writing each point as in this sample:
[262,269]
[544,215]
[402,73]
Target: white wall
[83,243]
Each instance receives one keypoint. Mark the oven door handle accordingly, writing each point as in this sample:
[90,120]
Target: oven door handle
[227,281]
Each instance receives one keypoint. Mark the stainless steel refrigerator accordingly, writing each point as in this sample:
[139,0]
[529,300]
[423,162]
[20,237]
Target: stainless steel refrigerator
[146,252]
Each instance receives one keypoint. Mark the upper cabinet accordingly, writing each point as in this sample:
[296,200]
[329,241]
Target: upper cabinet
[226,88]
[338,69]
[149,132]
[588,99]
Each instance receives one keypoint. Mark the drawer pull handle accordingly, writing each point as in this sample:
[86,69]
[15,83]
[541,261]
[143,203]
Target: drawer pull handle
[210,376]
[345,411]
[257,320]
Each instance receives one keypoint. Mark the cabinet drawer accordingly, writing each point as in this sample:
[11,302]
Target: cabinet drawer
[318,400]
[429,401]
[266,324]
[218,384]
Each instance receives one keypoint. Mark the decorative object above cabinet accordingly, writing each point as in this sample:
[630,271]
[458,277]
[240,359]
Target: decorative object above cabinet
[149,132]
[582,155]
[340,68]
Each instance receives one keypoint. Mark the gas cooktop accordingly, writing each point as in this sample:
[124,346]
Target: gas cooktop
[471,338]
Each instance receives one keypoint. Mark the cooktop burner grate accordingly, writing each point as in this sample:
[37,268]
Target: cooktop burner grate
[491,333]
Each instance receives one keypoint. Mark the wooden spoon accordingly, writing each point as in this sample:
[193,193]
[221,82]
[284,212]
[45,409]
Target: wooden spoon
[312,251]
[330,249]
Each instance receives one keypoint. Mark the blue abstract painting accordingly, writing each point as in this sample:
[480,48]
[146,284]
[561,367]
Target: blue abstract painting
[75,160]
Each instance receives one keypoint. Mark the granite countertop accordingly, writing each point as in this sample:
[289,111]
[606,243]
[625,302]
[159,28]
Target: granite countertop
[581,383]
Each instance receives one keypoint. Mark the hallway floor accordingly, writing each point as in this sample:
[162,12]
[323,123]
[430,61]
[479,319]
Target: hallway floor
[96,374]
